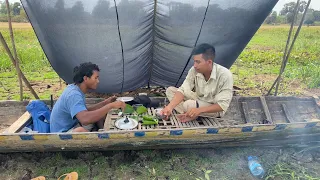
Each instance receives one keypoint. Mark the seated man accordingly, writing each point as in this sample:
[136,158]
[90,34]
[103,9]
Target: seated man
[70,113]
[206,91]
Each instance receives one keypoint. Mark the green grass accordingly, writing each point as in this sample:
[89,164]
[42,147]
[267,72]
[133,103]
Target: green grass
[264,55]
[30,53]
[285,171]
[254,71]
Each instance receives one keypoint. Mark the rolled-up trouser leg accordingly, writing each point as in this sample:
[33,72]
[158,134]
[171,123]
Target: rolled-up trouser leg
[170,92]
[189,104]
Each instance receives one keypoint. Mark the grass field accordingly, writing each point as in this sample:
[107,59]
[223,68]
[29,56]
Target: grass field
[254,71]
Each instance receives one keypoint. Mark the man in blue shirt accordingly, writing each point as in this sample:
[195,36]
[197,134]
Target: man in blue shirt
[70,113]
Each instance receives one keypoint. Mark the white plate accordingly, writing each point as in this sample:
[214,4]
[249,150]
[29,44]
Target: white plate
[126,126]
[125,99]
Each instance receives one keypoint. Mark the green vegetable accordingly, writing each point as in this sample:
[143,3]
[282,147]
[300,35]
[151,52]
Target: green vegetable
[148,118]
[141,109]
[148,122]
[129,109]
[135,118]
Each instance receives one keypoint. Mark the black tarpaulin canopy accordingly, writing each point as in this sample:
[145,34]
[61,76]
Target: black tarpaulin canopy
[140,42]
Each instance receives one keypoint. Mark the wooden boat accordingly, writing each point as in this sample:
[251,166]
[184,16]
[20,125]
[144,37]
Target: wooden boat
[267,121]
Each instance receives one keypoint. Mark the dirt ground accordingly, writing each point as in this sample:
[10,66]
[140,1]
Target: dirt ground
[222,163]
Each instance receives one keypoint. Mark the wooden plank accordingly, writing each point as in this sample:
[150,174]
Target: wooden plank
[112,126]
[196,123]
[164,122]
[153,111]
[287,113]
[193,123]
[188,124]
[176,122]
[183,124]
[216,120]
[213,122]
[246,112]
[107,122]
[204,122]
[266,109]
[20,123]
[167,127]
[172,123]
[207,120]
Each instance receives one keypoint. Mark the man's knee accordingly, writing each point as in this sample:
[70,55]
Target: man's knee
[189,104]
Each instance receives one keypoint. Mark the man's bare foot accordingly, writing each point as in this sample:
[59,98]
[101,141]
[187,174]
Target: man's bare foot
[183,118]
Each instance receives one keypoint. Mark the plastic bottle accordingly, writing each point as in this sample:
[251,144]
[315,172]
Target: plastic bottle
[255,167]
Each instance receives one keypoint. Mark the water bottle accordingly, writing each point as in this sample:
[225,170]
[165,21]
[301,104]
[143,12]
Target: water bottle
[255,167]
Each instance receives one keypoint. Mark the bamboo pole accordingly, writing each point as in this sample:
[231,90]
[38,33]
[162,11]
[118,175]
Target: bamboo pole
[290,49]
[16,64]
[13,61]
[286,55]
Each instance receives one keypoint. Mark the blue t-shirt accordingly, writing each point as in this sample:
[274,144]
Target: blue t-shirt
[70,103]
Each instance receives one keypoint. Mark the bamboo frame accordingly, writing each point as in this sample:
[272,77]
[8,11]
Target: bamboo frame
[16,64]
[5,45]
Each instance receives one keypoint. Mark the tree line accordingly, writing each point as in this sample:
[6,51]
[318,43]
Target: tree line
[286,15]
[16,11]
[183,12]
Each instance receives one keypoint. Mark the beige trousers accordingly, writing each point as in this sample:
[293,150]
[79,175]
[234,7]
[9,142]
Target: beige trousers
[190,101]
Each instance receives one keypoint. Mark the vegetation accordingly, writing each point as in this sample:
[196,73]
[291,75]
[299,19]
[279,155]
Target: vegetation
[286,15]
[16,11]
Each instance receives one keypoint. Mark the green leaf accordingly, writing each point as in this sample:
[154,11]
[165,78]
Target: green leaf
[141,110]
[129,109]
[207,176]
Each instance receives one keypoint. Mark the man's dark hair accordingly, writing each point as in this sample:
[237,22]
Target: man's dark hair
[207,51]
[84,69]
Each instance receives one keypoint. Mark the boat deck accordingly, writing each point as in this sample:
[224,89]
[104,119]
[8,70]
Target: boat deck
[242,110]
[171,123]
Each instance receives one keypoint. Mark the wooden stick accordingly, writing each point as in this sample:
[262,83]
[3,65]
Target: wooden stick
[293,41]
[286,56]
[20,123]
[60,81]
[287,45]
[287,114]
[245,109]
[13,61]
[266,109]
[14,51]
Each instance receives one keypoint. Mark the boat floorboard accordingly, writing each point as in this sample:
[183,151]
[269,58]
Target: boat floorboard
[171,123]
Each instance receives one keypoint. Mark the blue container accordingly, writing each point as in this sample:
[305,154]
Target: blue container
[255,167]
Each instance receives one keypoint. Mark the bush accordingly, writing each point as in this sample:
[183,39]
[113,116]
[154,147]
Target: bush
[4,18]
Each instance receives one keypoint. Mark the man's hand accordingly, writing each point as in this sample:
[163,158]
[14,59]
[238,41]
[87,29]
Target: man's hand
[118,104]
[166,112]
[194,112]
[110,99]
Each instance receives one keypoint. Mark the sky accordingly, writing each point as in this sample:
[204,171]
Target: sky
[315,4]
